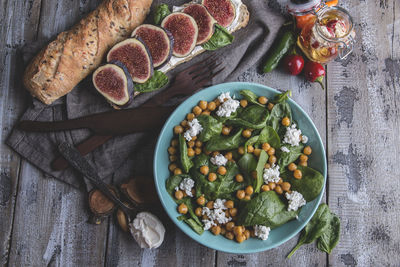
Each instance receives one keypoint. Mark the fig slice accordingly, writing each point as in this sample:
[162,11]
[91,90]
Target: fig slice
[114,82]
[140,191]
[99,204]
[184,31]
[158,40]
[205,22]
[133,53]
[222,10]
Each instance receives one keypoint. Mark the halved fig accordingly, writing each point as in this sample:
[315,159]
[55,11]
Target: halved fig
[184,30]
[114,82]
[205,22]
[140,190]
[222,10]
[133,53]
[158,40]
[99,204]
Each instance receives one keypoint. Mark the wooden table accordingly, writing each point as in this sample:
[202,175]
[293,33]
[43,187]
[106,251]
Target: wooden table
[44,222]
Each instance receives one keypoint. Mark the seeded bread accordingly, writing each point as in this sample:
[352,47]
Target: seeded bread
[66,61]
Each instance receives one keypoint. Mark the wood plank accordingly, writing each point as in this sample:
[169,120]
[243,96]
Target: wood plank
[363,126]
[312,99]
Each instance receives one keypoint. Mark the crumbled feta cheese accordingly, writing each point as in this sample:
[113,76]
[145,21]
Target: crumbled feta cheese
[261,231]
[194,129]
[296,200]
[186,185]
[177,188]
[215,215]
[304,139]
[272,174]
[285,149]
[292,135]
[228,105]
[219,160]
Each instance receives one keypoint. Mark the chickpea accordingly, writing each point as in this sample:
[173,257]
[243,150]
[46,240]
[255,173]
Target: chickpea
[221,170]
[223,231]
[239,178]
[173,158]
[292,167]
[204,169]
[247,233]
[303,157]
[271,151]
[267,165]
[211,106]
[201,200]
[203,104]
[194,138]
[250,149]
[243,103]
[198,143]
[262,100]
[265,188]
[285,121]
[254,174]
[303,163]
[177,171]
[228,155]
[241,150]
[257,152]
[182,209]
[197,150]
[206,112]
[272,185]
[172,167]
[229,235]
[178,129]
[206,151]
[174,142]
[246,133]
[272,159]
[216,229]
[285,186]
[247,198]
[227,213]
[229,204]
[238,230]
[184,123]
[249,190]
[212,176]
[190,116]
[191,143]
[204,217]
[190,152]
[297,174]
[240,194]
[172,150]
[266,147]
[278,190]
[210,204]
[178,194]
[197,110]
[229,226]
[198,211]
[226,130]
[307,150]
[280,181]
[270,106]
[215,153]
[233,212]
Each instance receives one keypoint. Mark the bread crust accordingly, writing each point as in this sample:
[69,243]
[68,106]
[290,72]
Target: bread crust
[76,53]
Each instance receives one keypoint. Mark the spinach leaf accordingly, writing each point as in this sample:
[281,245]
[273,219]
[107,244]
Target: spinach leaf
[186,163]
[330,237]
[310,185]
[220,38]
[198,228]
[160,13]
[173,182]
[270,136]
[251,97]
[253,116]
[250,141]
[265,209]
[157,81]
[260,171]
[211,127]
[247,163]
[220,142]
[285,158]
[278,112]
[282,97]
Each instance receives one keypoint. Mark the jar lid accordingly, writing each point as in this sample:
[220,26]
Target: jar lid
[302,7]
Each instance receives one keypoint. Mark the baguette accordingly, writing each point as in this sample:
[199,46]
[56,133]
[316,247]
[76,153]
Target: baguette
[66,61]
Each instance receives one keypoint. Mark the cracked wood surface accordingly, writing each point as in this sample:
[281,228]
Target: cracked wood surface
[44,222]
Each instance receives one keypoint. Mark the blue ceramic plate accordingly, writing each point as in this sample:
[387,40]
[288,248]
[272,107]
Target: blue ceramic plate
[278,235]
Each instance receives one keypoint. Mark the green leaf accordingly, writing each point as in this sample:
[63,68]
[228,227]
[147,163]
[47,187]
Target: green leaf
[173,182]
[285,158]
[161,12]
[220,38]
[260,171]
[220,142]
[270,136]
[157,81]
[251,97]
[198,228]
[265,209]
[253,117]
[330,237]
[211,127]
[186,163]
[282,97]
[247,163]
[310,185]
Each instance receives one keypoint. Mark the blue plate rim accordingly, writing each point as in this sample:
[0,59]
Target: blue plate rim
[190,231]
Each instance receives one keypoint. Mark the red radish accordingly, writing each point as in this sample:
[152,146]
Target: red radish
[314,72]
[293,64]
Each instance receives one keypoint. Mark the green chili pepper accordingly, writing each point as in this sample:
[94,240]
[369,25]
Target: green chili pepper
[282,46]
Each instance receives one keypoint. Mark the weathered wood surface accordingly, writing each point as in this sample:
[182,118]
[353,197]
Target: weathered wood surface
[43,222]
